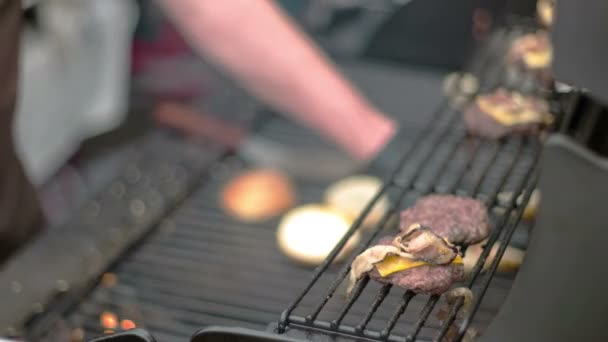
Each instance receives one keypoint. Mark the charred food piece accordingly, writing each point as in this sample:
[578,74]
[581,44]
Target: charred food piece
[502,113]
[459,220]
[418,260]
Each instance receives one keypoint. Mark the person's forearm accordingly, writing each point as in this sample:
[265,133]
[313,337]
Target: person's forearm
[256,43]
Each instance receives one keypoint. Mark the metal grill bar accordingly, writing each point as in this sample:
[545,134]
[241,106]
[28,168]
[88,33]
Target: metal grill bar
[472,158]
[377,301]
[485,169]
[495,234]
[424,315]
[407,296]
[357,291]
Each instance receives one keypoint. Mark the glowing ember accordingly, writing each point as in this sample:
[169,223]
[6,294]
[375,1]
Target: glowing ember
[108,320]
[109,279]
[127,324]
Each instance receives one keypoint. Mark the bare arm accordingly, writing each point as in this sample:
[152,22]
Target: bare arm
[256,43]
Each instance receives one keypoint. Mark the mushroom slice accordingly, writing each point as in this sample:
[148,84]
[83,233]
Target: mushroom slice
[426,246]
[365,261]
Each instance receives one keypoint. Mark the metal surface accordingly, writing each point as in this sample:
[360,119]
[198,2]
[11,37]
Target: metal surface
[580,52]
[586,121]
[161,171]
[559,294]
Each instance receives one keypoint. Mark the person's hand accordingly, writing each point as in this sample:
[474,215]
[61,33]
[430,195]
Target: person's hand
[380,145]
[364,135]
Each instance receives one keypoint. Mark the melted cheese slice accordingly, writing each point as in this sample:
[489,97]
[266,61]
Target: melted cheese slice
[508,118]
[538,59]
[394,263]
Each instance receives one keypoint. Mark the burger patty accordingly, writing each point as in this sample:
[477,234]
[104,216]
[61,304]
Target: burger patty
[460,220]
[424,279]
[524,114]
[431,279]
[481,124]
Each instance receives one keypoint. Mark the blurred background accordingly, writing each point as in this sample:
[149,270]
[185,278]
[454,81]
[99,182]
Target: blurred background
[92,72]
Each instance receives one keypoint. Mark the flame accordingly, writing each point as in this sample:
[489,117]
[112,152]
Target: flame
[108,320]
[127,324]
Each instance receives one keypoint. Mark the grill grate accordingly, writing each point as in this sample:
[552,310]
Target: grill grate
[485,169]
[201,267]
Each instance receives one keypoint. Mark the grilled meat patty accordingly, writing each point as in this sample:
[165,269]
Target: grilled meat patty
[429,279]
[502,113]
[460,220]
[424,279]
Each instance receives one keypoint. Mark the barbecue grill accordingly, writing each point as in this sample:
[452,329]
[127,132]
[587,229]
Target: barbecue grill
[176,263]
